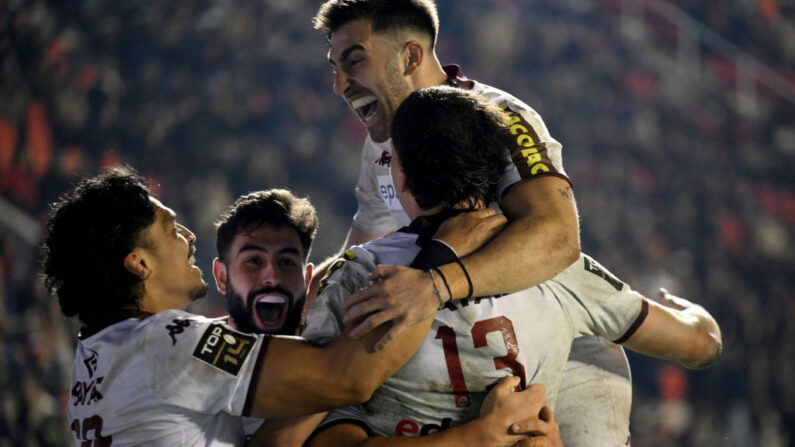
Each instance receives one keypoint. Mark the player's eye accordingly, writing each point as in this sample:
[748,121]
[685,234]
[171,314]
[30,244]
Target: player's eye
[254,261]
[287,262]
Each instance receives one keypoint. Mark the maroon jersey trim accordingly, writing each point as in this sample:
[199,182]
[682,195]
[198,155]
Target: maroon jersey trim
[644,312]
[457,78]
[255,375]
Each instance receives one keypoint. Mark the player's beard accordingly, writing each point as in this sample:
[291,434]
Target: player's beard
[394,90]
[198,292]
[242,311]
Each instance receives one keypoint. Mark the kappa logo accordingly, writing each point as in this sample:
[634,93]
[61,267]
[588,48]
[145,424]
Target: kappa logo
[385,160]
[224,348]
[177,328]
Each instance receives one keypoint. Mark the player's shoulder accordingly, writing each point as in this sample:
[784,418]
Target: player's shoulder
[379,154]
[396,248]
[349,270]
[502,98]
[172,328]
[169,317]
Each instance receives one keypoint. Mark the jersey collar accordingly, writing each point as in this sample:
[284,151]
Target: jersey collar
[425,226]
[457,78]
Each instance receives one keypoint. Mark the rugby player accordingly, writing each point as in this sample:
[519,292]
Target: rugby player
[448,158]
[380,51]
[263,243]
[148,373]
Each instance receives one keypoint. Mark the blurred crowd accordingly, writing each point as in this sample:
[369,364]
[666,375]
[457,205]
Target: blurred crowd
[681,180]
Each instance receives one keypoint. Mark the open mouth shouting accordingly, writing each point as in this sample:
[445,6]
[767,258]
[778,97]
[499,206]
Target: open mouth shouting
[366,108]
[270,310]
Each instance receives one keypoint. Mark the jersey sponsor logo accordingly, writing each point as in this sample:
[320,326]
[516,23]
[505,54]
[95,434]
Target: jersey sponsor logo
[388,193]
[407,427]
[91,363]
[86,392]
[594,267]
[224,348]
[177,328]
[529,154]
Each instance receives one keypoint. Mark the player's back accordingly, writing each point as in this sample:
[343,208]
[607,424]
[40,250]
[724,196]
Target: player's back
[475,342]
[470,346]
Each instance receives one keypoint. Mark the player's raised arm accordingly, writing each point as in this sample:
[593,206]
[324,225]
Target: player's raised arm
[678,330]
[539,241]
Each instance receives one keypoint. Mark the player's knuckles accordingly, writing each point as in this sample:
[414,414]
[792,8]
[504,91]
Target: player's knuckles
[506,383]
[388,300]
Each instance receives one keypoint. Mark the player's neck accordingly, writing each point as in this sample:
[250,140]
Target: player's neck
[430,74]
[416,211]
[155,301]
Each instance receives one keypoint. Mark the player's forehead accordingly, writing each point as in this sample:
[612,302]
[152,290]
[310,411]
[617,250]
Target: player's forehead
[162,212]
[356,35]
[267,239]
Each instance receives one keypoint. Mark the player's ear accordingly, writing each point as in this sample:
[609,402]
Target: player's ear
[136,263]
[308,274]
[219,272]
[412,57]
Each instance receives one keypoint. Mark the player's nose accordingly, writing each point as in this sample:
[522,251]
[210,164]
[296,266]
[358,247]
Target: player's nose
[341,83]
[186,233]
[270,275]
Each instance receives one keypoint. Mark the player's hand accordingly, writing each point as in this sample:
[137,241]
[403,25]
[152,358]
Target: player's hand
[518,417]
[402,295]
[468,232]
[506,394]
[549,438]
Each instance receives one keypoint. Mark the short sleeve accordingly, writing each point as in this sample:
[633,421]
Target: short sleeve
[603,305]
[346,415]
[534,153]
[206,366]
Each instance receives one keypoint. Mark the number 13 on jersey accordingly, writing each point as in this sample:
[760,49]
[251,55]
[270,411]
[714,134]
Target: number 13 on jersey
[479,331]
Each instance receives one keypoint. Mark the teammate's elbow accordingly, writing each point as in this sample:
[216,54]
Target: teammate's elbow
[567,246]
[358,390]
[572,249]
[704,351]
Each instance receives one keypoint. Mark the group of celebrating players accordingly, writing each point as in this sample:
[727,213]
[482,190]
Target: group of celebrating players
[442,321]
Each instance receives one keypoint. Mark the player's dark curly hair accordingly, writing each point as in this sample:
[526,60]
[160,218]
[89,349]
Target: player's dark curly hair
[451,145]
[277,207]
[383,14]
[90,230]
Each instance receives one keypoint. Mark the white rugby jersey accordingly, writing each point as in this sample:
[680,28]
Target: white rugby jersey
[473,343]
[172,378]
[535,154]
[596,390]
